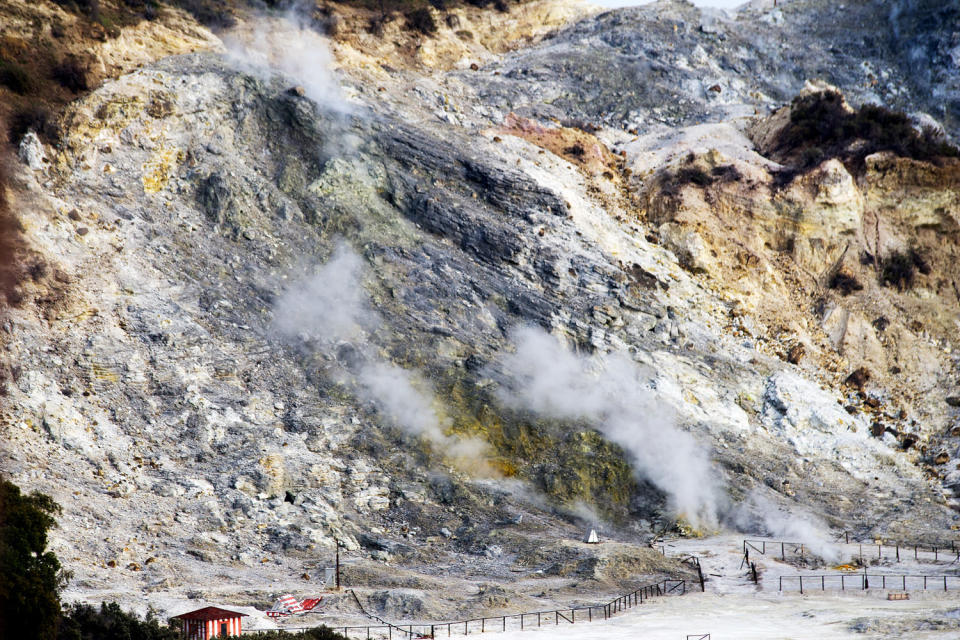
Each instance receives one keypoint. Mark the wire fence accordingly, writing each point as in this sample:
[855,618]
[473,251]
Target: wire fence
[869,550]
[865,581]
[516,621]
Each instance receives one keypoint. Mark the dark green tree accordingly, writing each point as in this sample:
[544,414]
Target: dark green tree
[30,576]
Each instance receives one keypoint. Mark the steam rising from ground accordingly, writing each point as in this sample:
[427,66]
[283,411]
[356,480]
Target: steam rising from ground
[330,310]
[288,45]
[613,393]
[760,514]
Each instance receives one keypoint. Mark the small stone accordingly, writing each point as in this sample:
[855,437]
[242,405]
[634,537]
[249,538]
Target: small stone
[796,353]
[953,401]
[446,533]
[82,231]
[31,151]
[941,458]
[305,576]
[474,66]
[74,215]
[858,378]
[111,563]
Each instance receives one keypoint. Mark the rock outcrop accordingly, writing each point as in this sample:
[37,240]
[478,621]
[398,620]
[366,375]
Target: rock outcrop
[594,184]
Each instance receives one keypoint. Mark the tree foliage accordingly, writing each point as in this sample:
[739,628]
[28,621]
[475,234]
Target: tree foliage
[110,622]
[30,576]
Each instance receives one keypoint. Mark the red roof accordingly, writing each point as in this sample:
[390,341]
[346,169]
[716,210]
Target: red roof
[210,613]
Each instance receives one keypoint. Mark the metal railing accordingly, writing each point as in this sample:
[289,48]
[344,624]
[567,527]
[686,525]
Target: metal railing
[521,621]
[949,553]
[760,546]
[864,581]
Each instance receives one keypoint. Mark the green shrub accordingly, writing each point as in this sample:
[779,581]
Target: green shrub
[110,622]
[899,268]
[30,576]
[71,75]
[317,633]
[845,283]
[35,117]
[821,127]
[422,20]
[15,77]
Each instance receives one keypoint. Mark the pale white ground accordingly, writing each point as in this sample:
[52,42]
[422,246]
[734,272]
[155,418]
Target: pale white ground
[733,608]
[744,617]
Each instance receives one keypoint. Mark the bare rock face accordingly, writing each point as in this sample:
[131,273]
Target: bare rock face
[593,184]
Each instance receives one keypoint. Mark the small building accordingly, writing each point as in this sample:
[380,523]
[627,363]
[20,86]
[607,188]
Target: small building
[210,622]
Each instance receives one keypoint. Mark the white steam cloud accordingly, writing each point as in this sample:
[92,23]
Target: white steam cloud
[613,394]
[759,513]
[330,308]
[289,46]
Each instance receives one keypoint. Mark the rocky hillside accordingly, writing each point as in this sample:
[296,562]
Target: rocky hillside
[450,294]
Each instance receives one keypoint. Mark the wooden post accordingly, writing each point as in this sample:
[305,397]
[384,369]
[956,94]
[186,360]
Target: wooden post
[783,555]
[898,552]
[801,585]
[338,565]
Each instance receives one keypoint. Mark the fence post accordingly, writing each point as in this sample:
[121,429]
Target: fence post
[898,552]
[944,583]
[538,618]
[823,584]
[504,623]
[904,583]
[842,587]
[781,584]
[801,585]
[783,555]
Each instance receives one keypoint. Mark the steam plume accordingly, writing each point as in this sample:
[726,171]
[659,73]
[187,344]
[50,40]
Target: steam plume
[760,514]
[613,393]
[289,46]
[330,308]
